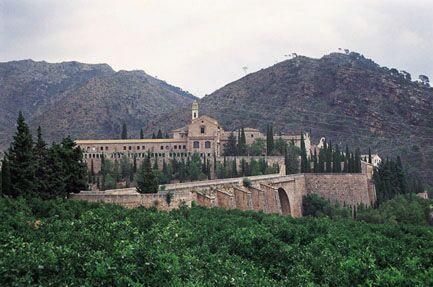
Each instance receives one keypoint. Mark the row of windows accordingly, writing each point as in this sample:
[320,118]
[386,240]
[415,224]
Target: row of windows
[142,155]
[139,148]
[196,144]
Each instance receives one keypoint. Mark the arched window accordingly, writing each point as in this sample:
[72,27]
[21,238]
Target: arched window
[196,144]
[207,144]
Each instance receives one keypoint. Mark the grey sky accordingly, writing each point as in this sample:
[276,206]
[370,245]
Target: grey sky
[202,45]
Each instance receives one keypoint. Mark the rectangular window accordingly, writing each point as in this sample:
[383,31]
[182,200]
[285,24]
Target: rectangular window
[202,129]
[162,147]
[102,148]
[124,147]
[106,148]
[184,146]
[175,146]
[129,147]
[138,147]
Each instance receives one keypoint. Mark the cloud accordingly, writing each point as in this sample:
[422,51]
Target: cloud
[202,45]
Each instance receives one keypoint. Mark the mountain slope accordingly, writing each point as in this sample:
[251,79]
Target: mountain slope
[81,100]
[346,98]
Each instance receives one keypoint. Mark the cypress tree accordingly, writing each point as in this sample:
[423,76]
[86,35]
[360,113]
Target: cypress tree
[155,163]
[159,136]
[369,156]
[328,162]
[153,136]
[21,159]
[230,147]
[270,140]
[315,162]
[124,134]
[357,161]
[141,134]
[242,142]
[322,159]
[305,168]
[234,171]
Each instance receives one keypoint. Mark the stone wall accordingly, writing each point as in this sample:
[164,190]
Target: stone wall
[130,198]
[281,194]
[346,189]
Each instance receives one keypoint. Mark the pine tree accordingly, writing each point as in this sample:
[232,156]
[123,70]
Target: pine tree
[124,134]
[6,188]
[22,163]
[73,167]
[147,182]
[141,134]
[153,136]
[41,173]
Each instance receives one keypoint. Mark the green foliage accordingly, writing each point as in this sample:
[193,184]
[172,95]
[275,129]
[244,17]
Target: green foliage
[257,147]
[270,145]
[246,182]
[35,170]
[124,134]
[402,209]
[390,180]
[314,205]
[230,148]
[146,180]
[72,243]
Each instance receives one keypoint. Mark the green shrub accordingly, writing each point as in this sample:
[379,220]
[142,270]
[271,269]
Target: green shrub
[246,182]
[74,243]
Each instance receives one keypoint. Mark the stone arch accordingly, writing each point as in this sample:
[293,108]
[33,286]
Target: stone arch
[284,202]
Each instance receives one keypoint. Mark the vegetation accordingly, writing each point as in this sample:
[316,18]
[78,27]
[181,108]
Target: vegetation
[33,169]
[70,243]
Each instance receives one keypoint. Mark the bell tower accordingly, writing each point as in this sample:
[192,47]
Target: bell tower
[194,110]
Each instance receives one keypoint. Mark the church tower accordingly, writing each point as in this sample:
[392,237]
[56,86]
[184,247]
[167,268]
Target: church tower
[194,110]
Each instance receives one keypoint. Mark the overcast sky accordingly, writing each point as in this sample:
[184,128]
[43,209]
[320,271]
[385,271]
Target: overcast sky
[202,45]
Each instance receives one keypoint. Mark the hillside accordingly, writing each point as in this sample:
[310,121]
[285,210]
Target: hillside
[347,98]
[81,100]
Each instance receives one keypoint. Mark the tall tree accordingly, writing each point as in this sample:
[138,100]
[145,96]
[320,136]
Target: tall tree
[242,142]
[159,135]
[305,164]
[291,159]
[270,140]
[141,134]
[369,156]
[230,148]
[147,182]
[6,188]
[74,169]
[42,166]
[22,162]
[124,134]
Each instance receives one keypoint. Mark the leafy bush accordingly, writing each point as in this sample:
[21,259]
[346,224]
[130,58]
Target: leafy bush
[72,243]
[247,182]
[402,209]
[314,205]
